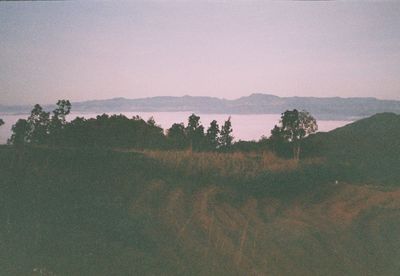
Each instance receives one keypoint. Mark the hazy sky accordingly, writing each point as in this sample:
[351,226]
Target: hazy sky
[96,50]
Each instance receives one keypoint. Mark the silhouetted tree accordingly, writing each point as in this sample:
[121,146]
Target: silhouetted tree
[177,137]
[20,132]
[102,131]
[62,110]
[294,126]
[277,141]
[58,120]
[226,138]
[76,133]
[1,122]
[154,135]
[38,125]
[151,121]
[195,132]
[114,131]
[212,135]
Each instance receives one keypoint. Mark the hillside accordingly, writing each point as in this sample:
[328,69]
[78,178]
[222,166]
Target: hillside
[98,212]
[371,144]
[322,108]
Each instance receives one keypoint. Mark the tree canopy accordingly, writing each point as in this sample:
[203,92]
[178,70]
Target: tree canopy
[293,127]
[177,137]
[226,138]
[195,132]
[118,131]
[212,135]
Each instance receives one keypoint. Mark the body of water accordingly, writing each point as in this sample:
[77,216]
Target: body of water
[245,126]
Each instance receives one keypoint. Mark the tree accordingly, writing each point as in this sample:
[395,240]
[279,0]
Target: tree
[276,140]
[294,127]
[194,132]
[62,110]
[226,138]
[151,121]
[20,133]
[212,135]
[58,120]
[176,136]
[38,125]
[1,122]
[154,134]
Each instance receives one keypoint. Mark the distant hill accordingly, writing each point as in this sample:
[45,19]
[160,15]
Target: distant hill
[322,108]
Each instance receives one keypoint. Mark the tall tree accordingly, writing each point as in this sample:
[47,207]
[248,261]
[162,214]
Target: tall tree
[176,136]
[195,132]
[294,127]
[62,110]
[60,113]
[276,140]
[58,120]
[20,132]
[212,135]
[226,138]
[38,123]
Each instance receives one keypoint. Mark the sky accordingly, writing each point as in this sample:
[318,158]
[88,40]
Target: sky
[97,50]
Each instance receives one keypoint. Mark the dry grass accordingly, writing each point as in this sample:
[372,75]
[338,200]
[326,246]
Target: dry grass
[302,238]
[223,164]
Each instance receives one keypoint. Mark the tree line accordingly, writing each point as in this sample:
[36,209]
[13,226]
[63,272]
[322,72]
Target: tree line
[118,131]
[52,129]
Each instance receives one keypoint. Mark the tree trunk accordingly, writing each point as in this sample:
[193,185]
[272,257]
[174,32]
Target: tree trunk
[296,151]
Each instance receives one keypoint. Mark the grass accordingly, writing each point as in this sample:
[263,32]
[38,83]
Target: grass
[102,212]
[248,174]
[237,164]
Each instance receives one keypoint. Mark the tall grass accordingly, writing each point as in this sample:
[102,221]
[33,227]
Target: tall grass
[237,164]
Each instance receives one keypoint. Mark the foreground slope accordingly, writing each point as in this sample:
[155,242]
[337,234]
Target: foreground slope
[97,212]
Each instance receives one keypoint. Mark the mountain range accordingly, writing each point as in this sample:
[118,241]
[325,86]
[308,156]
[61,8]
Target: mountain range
[321,108]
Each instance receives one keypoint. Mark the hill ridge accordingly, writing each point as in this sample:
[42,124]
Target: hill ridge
[330,108]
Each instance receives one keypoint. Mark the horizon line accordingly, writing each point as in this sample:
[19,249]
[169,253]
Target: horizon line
[200,96]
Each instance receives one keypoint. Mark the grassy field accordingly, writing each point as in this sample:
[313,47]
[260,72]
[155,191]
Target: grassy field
[101,212]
